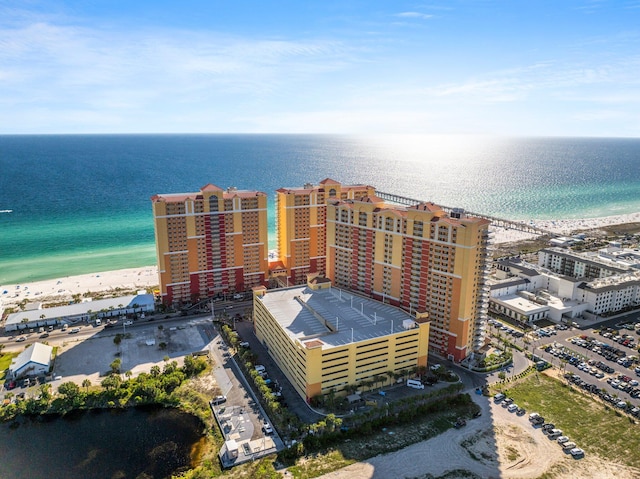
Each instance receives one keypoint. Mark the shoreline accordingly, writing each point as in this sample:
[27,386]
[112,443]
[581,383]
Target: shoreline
[562,226]
[66,287]
[145,277]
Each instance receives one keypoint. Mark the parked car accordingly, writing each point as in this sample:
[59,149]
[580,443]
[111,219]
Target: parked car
[218,400]
[266,427]
[577,452]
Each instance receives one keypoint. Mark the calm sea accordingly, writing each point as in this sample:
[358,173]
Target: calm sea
[75,204]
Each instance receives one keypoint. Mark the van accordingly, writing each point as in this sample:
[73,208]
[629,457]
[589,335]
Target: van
[499,397]
[98,322]
[415,384]
[65,326]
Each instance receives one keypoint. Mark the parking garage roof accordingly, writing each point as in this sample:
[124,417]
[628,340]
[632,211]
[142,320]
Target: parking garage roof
[333,317]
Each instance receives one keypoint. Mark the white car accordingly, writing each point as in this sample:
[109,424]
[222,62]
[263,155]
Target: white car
[266,427]
[563,439]
[512,408]
[128,323]
[577,452]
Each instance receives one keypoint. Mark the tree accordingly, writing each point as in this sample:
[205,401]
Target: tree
[391,375]
[111,382]
[115,366]
[45,392]
[86,384]
[69,390]
[128,374]
[117,339]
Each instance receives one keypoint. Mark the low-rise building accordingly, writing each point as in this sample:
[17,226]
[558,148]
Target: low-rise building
[33,361]
[101,308]
[325,338]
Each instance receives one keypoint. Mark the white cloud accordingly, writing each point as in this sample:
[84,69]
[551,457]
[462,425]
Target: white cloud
[423,16]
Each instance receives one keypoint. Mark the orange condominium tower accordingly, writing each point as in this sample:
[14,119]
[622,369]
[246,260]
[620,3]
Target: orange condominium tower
[301,226]
[210,242]
[418,258]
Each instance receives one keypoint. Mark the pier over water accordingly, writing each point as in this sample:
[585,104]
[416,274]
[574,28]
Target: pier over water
[500,222]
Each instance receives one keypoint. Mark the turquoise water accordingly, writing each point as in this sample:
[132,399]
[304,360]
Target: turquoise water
[81,203]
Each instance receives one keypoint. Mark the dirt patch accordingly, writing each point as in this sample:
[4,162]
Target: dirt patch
[499,444]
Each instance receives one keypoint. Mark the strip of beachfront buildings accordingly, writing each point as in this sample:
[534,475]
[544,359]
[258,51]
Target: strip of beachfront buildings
[428,265]
[566,285]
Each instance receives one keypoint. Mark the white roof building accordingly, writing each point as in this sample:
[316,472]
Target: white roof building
[80,311]
[33,361]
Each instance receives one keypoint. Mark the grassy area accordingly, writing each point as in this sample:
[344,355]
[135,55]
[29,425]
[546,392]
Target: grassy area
[5,362]
[595,427]
[387,439]
[320,464]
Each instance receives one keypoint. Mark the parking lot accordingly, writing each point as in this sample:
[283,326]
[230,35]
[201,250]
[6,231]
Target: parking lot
[602,359]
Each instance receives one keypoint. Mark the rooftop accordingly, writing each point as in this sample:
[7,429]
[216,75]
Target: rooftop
[142,300]
[36,353]
[333,317]
[517,302]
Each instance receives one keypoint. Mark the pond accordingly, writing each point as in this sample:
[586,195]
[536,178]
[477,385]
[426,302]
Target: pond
[131,443]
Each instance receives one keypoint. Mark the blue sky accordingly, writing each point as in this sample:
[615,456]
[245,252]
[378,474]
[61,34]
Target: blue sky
[561,68]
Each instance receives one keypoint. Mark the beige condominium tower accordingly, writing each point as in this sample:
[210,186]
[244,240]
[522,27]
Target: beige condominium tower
[210,242]
[301,226]
[419,258]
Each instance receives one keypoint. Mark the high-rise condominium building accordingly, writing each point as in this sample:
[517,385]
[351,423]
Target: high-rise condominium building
[210,242]
[301,230]
[417,257]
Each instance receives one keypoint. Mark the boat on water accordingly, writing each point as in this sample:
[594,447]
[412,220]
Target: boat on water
[6,211]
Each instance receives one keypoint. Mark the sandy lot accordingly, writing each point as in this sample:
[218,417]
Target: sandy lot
[497,445]
[90,358]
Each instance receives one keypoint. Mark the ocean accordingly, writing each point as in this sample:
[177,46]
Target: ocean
[74,204]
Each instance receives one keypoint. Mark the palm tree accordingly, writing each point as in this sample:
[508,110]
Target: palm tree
[86,384]
[391,375]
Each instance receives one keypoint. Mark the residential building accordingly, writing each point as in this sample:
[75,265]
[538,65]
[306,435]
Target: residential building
[210,242]
[587,266]
[301,227]
[418,257]
[326,339]
[601,288]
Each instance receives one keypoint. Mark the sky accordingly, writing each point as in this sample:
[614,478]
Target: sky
[488,67]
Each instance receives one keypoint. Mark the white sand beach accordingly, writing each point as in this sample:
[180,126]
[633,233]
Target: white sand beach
[562,227]
[147,276]
[61,288]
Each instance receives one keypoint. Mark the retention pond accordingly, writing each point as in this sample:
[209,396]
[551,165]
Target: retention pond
[131,443]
